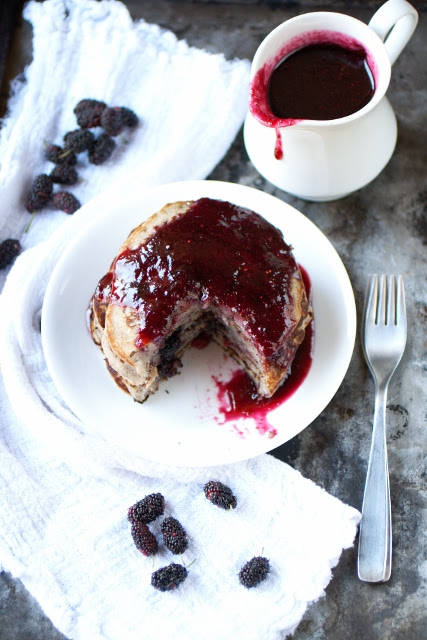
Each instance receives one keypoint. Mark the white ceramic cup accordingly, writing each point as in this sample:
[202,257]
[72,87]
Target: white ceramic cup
[328,159]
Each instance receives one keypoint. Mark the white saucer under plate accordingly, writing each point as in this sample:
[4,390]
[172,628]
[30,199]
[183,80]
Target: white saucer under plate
[181,423]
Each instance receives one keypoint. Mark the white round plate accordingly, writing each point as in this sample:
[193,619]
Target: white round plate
[181,423]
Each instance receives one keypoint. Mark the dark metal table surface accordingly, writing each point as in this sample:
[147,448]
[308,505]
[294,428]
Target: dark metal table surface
[379,228]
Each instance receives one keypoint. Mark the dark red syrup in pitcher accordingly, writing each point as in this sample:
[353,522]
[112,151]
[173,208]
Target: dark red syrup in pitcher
[322,81]
[317,75]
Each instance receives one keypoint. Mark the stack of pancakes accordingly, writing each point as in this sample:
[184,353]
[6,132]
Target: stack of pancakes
[148,308]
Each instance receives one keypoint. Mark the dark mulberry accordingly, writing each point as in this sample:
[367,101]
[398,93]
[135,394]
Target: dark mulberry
[129,117]
[40,193]
[174,535]
[147,509]
[9,249]
[88,112]
[145,541]
[168,578]
[254,571]
[58,155]
[79,140]
[111,121]
[65,201]
[219,494]
[102,149]
[64,174]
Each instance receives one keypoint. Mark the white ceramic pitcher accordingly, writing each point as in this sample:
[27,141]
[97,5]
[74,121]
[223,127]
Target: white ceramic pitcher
[328,159]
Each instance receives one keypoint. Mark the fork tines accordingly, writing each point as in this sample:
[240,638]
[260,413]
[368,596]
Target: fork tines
[386,299]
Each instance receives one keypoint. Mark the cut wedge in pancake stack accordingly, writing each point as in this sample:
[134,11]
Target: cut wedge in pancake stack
[204,266]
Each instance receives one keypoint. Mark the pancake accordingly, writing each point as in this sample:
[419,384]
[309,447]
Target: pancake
[204,266]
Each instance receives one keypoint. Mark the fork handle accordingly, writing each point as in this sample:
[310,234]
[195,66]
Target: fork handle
[374,555]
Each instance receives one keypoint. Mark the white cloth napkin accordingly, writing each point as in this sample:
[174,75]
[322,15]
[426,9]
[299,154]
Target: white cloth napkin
[64,492]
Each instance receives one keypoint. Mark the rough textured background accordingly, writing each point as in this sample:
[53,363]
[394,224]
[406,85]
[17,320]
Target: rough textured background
[381,228]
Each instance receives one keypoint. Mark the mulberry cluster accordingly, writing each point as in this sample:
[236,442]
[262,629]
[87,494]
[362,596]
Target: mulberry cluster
[129,117]
[145,541]
[102,149]
[220,495]
[40,193]
[65,201]
[90,114]
[140,515]
[168,578]
[147,509]
[56,154]
[254,572]
[174,535]
[64,174]
[9,249]
[79,140]
[111,121]
[175,538]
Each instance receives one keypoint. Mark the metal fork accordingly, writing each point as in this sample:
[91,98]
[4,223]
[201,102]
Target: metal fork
[384,340]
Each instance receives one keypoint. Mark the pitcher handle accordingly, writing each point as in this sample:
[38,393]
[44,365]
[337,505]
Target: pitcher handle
[394,23]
